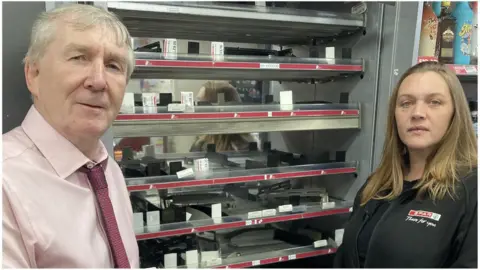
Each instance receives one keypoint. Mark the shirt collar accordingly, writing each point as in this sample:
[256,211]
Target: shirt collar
[64,157]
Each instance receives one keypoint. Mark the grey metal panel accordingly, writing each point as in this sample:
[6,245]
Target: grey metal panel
[396,57]
[366,92]
[418,28]
[358,145]
[18,19]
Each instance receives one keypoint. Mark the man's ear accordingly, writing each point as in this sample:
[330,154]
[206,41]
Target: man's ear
[31,76]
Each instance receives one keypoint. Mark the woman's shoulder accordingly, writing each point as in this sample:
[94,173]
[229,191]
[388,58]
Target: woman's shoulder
[469,182]
[470,178]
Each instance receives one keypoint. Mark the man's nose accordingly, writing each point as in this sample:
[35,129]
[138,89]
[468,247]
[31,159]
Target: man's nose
[419,111]
[96,78]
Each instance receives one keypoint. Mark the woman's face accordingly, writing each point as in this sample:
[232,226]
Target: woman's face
[424,109]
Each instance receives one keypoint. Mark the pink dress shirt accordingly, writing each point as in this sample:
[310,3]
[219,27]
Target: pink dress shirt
[50,215]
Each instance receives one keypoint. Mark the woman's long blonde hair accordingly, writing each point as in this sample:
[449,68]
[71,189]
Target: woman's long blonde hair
[454,156]
[223,142]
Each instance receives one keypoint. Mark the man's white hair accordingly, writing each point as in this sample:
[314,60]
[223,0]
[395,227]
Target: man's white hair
[80,17]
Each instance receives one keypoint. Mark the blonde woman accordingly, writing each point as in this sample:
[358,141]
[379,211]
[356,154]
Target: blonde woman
[223,142]
[419,208]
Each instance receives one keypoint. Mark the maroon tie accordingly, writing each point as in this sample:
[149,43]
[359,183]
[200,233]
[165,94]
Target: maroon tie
[100,187]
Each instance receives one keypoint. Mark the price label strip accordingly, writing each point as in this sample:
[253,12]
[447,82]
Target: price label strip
[269,65]
[471,70]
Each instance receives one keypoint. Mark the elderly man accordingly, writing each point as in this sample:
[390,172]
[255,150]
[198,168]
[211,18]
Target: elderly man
[65,202]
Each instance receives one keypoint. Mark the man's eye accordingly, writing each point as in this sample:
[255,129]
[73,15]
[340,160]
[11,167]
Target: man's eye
[79,57]
[435,102]
[114,66]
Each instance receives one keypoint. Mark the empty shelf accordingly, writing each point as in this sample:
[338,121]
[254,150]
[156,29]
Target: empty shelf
[275,257]
[238,221]
[238,119]
[247,24]
[155,65]
[240,176]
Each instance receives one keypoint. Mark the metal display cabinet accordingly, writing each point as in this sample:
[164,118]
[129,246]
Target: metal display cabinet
[345,132]
[347,136]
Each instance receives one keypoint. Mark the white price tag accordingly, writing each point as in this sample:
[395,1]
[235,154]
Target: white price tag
[269,65]
[150,99]
[256,262]
[186,98]
[191,258]
[359,9]
[285,208]
[175,107]
[173,9]
[254,214]
[213,262]
[320,243]
[170,48]
[269,212]
[216,210]
[170,260]
[217,51]
[185,173]
[328,205]
[153,218]
[292,257]
[201,165]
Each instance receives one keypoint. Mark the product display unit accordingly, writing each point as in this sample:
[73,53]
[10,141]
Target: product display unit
[312,92]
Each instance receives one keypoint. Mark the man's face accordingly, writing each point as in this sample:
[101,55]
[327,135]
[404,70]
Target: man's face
[423,111]
[80,81]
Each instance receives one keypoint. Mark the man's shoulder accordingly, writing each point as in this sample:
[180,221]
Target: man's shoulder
[115,170]
[15,143]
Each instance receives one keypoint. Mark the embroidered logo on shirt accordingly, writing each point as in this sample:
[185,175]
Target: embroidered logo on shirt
[424,214]
[420,216]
